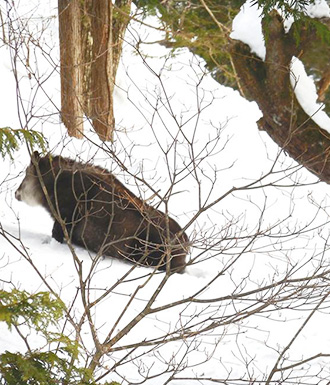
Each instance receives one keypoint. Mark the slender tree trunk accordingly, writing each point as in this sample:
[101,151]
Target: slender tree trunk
[102,79]
[71,70]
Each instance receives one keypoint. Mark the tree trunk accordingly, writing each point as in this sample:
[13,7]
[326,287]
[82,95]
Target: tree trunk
[107,27]
[71,70]
[268,83]
[102,79]
[91,38]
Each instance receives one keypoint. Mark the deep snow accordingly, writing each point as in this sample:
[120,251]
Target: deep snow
[154,104]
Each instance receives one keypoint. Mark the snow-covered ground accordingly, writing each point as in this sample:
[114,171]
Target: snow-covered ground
[169,112]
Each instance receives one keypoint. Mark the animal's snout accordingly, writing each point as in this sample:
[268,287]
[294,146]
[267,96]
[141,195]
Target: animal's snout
[18,195]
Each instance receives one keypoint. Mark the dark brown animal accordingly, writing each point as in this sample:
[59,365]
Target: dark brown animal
[101,214]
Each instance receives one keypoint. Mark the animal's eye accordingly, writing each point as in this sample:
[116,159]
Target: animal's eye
[30,170]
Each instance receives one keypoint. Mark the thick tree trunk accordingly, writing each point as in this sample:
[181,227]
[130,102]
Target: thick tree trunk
[268,83]
[71,70]
[91,38]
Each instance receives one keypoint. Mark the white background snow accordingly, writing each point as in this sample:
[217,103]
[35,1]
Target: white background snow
[153,104]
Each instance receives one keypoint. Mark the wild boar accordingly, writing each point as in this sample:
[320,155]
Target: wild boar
[101,214]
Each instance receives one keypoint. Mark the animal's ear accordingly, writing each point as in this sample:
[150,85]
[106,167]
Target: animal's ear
[35,156]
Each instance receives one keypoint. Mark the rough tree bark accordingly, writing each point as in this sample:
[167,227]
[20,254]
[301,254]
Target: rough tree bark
[71,69]
[91,38]
[107,28]
[268,83]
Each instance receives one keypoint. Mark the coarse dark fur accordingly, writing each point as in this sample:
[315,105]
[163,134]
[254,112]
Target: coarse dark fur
[101,214]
